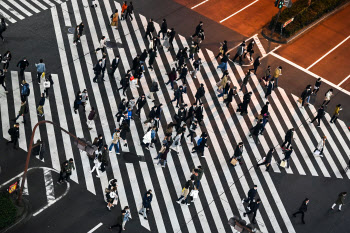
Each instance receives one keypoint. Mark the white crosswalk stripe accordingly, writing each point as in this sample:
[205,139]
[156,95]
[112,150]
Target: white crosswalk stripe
[222,186]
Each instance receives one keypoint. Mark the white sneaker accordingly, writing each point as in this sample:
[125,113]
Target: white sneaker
[179,202]
[188,204]
[321,155]
[97,176]
[242,201]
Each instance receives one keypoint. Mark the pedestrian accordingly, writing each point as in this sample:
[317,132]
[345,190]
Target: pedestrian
[180,117]
[171,38]
[97,70]
[192,131]
[317,86]
[288,139]
[250,49]
[255,131]
[163,29]
[104,158]
[276,74]
[149,137]
[222,50]
[84,99]
[196,65]
[81,29]
[198,28]
[141,101]
[154,88]
[2,80]
[256,64]
[229,96]
[191,113]
[185,191]
[172,77]
[110,197]
[91,117]
[151,115]
[251,195]
[267,76]
[199,113]
[40,69]
[119,222]
[166,43]
[254,206]
[97,164]
[176,142]
[124,7]
[240,51]
[163,156]
[287,156]
[237,155]
[63,172]
[221,84]
[76,35]
[152,56]
[2,28]
[22,111]
[41,105]
[114,65]
[320,147]
[245,81]
[201,144]
[200,175]
[114,19]
[150,29]
[327,97]
[22,64]
[125,82]
[115,142]
[124,130]
[302,209]
[265,120]
[77,102]
[243,107]
[111,182]
[264,110]
[270,87]
[183,74]
[25,90]
[305,95]
[102,45]
[224,61]
[319,116]
[103,67]
[6,60]
[193,50]
[129,11]
[335,116]
[267,160]
[14,134]
[127,216]
[69,170]
[146,203]
[200,93]
[340,200]
[48,83]
[178,96]
[39,149]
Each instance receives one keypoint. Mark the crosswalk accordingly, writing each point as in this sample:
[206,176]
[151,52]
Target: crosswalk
[222,187]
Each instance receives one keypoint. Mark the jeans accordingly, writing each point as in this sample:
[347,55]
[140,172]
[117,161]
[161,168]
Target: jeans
[116,147]
[143,211]
[223,66]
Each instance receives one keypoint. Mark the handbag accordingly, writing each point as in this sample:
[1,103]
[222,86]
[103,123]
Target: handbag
[234,161]
[317,152]
[46,84]
[43,75]
[194,193]
[283,163]
[238,228]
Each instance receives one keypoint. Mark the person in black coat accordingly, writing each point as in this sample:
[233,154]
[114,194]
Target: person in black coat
[201,146]
[152,57]
[251,195]
[287,155]
[319,116]
[288,138]
[255,131]
[245,81]
[268,159]
[256,64]
[129,11]
[183,74]
[14,133]
[121,108]
[38,149]
[198,29]
[135,62]
[97,70]
[2,80]
[199,113]
[302,210]
[229,97]
[141,101]
[171,38]
[163,28]
[270,87]
[22,64]
[114,65]
[150,29]
[223,50]
[238,153]
[244,105]
[254,206]
[200,93]
[146,203]
[191,112]
[265,109]
[178,96]
[151,115]
[305,95]
[125,83]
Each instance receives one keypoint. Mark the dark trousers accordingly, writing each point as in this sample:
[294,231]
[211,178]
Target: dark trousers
[198,100]
[14,140]
[21,72]
[113,71]
[6,65]
[240,58]
[285,142]
[325,102]
[302,215]
[117,225]
[3,85]
[254,68]
[95,78]
[267,165]
[333,120]
[177,101]
[24,119]
[163,33]
[46,91]
[39,77]
[254,215]
[191,134]
[62,177]
[248,199]
[128,14]
[318,120]
[103,49]
[149,33]
[1,36]
[67,177]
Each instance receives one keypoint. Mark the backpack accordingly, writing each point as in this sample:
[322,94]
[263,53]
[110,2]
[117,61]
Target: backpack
[199,141]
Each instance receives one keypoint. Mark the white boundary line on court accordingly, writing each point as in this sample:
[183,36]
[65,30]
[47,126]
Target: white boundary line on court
[199,4]
[238,11]
[309,72]
[328,53]
[95,228]
[343,81]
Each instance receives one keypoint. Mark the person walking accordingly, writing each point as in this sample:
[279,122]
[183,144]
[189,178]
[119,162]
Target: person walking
[171,38]
[6,60]
[154,88]
[97,70]
[22,64]
[22,111]
[77,102]
[245,81]
[256,64]
[239,53]
[267,160]
[255,131]
[146,203]
[250,195]
[69,170]
[320,146]
[104,158]
[115,142]
[327,97]
[63,172]
[317,86]
[334,118]
[25,90]
[129,11]
[198,28]
[114,65]
[302,210]
[124,7]
[41,105]
[125,83]
[114,19]
[150,29]
[163,29]
[166,43]
[48,83]
[287,156]
[91,117]
[270,87]
[222,50]
[172,77]
[340,200]
[110,197]
[199,113]
[196,65]
[267,76]
[320,114]
[141,101]
[231,93]
[127,217]
[39,150]
[254,206]
[152,56]
[276,74]
[119,223]
[2,80]
[200,93]
[288,139]
[305,95]
[237,154]
[178,96]
[40,69]
[103,67]
[185,191]
[193,50]
[14,134]
[84,99]
[201,144]
[149,137]
[97,162]
[183,74]
[3,28]
[102,46]
[243,107]
[250,49]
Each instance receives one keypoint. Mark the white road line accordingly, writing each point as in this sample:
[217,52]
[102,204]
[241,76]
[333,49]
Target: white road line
[95,228]
[58,1]
[303,132]
[328,52]
[49,3]
[66,18]
[71,96]
[16,88]
[25,2]
[19,7]
[309,72]
[6,16]
[344,80]
[50,193]
[39,4]
[199,4]
[260,46]
[252,37]
[13,11]
[238,11]
[56,88]
[5,120]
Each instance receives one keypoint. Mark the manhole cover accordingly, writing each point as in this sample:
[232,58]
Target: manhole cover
[71,30]
[130,157]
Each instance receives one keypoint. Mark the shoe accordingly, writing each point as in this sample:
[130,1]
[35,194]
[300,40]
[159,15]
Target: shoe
[244,214]
[147,148]
[242,201]
[331,122]
[178,202]
[321,156]
[145,218]
[318,126]
[117,153]
[97,176]
[203,156]
[188,204]
[248,207]
[125,144]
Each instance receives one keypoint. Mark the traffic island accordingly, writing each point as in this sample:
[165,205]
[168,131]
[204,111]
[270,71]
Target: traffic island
[12,214]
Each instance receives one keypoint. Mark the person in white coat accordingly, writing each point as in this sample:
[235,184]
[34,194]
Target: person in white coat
[320,146]
[97,162]
[149,137]
[102,46]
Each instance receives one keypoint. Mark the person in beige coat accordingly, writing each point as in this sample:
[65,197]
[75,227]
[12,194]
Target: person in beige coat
[114,19]
[223,81]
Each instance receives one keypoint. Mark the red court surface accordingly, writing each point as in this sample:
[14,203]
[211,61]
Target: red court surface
[247,22]
[320,40]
